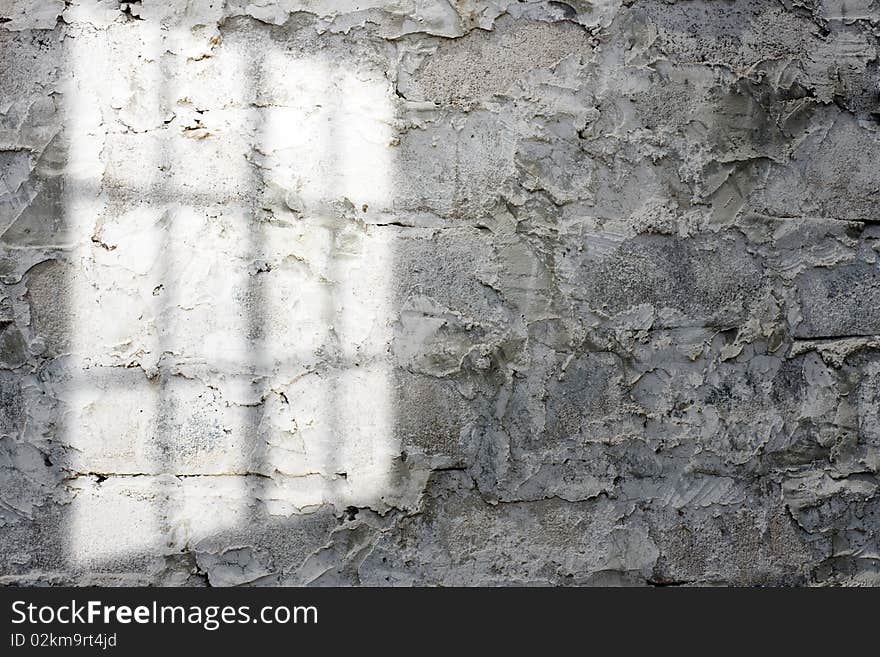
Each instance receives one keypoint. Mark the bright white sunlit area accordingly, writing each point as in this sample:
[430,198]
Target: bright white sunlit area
[431,293]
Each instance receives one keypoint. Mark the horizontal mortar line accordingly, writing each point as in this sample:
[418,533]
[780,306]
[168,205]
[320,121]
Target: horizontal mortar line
[836,338]
[190,369]
[806,217]
[258,475]
[174,196]
[169,196]
[156,194]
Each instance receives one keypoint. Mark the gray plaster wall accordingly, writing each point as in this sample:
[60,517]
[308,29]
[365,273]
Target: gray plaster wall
[435,292]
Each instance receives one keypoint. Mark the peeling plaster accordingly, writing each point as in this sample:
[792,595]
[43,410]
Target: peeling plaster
[432,293]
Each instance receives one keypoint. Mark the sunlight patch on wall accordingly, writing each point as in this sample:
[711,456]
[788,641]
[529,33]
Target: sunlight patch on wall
[229,354]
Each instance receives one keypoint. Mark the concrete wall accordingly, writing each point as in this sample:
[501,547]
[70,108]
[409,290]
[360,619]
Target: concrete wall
[433,292]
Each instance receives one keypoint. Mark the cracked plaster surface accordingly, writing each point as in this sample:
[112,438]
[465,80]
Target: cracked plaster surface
[311,292]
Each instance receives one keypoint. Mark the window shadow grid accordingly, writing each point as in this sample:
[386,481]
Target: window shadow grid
[260,470]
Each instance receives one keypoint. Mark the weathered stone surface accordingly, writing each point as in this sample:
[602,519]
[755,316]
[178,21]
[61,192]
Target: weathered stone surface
[416,292]
[839,302]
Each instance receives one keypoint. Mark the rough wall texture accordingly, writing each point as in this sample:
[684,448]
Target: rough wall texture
[439,292]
